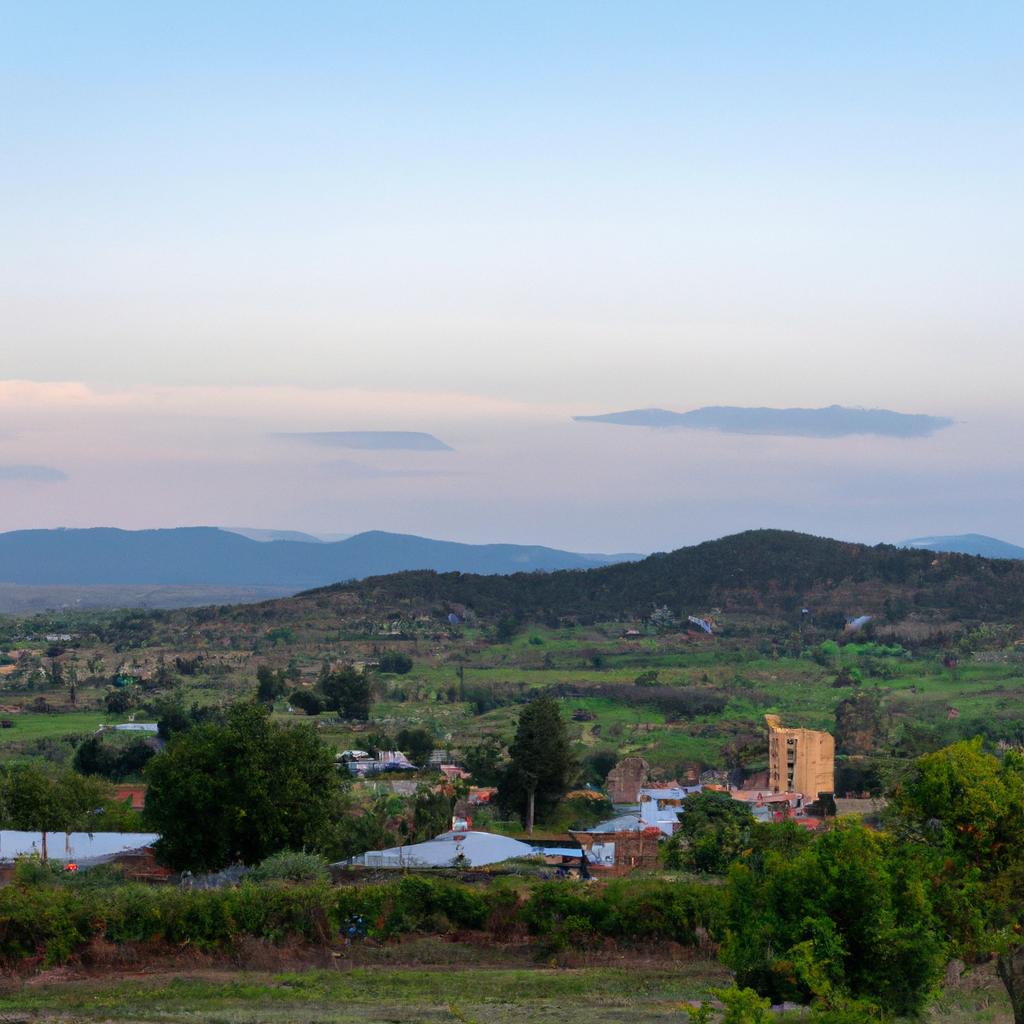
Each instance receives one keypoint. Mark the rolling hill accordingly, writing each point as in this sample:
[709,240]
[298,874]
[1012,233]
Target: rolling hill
[764,572]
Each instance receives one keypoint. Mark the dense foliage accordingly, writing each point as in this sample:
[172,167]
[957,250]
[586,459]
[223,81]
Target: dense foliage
[238,792]
[961,812]
[713,830]
[55,918]
[848,914]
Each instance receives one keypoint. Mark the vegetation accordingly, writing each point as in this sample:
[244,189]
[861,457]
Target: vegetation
[541,764]
[238,792]
[713,830]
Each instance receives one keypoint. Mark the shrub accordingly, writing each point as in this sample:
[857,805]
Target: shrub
[291,866]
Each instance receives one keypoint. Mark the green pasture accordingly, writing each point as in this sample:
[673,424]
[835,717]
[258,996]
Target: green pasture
[54,725]
[463,988]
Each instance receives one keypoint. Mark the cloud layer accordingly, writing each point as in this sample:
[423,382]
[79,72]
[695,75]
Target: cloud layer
[833,421]
[43,474]
[373,440]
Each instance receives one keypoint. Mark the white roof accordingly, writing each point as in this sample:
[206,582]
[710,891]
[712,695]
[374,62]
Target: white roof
[81,847]
[478,848]
[669,793]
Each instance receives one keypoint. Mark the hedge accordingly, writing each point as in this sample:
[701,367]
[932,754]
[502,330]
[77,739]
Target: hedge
[53,922]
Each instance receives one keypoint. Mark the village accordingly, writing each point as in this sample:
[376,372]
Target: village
[798,786]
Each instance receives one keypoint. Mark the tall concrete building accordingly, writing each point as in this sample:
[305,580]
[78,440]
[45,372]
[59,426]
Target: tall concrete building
[800,760]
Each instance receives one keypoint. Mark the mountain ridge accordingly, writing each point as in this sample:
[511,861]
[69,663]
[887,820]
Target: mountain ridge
[203,555]
[967,544]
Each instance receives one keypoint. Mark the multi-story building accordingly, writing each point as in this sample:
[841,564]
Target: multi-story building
[800,760]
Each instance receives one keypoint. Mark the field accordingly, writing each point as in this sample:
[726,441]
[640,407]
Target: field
[457,989]
[467,683]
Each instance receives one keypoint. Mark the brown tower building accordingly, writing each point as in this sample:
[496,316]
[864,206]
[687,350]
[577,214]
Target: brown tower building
[800,760]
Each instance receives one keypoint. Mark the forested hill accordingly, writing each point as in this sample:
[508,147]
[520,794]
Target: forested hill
[769,571]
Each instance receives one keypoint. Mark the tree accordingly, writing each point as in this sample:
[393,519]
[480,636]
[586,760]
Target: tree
[347,691]
[506,628]
[859,726]
[599,763]
[121,699]
[269,684]
[541,763]
[432,813]
[416,744]
[94,757]
[307,701]
[713,829]
[847,917]
[395,662]
[238,792]
[483,761]
[34,800]
[962,812]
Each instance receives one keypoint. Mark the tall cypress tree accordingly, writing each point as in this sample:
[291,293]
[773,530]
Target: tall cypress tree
[541,763]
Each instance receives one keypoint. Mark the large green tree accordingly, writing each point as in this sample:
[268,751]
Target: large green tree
[541,763]
[713,829]
[347,691]
[848,916]
[238,792]
[961,811]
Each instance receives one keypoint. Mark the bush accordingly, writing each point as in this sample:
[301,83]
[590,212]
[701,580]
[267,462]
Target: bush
[307,701]
[291,866]
[395,662]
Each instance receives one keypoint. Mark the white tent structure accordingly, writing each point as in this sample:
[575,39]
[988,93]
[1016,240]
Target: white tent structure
[473,849]
[80,847]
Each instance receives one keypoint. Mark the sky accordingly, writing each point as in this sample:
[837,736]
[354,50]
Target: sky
[222,223]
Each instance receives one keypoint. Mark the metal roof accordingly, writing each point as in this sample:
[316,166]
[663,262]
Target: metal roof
[478,849]
[623,823]
[81,847]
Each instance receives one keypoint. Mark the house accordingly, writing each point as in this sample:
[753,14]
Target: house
[135,792]
[361,764]
[801,760]
[453,772]
[620,845]
[659,808]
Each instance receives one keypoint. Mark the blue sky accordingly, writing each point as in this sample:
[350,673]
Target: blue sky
[484,218]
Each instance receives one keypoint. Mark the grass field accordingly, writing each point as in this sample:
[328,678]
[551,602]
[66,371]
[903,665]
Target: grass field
[380,996]
[28,726]
[472,993]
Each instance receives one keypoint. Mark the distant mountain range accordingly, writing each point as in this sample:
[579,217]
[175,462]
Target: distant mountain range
[967,544]
[832,421]
[217,557]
